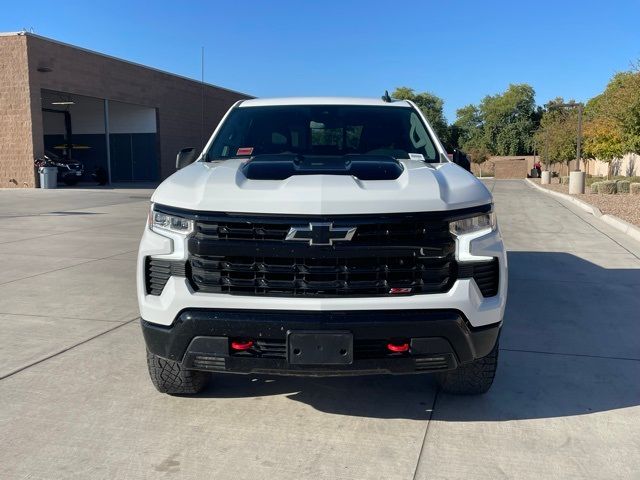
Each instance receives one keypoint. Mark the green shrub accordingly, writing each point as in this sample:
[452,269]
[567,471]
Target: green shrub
[591,180]
[594,187]
[608,187]
[632,179]
[622,186]
[634,188]
[564,180]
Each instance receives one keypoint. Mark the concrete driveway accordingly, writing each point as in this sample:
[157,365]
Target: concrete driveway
[76,403]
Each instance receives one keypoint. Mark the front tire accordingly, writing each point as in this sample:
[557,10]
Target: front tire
[169,377]
[472,378]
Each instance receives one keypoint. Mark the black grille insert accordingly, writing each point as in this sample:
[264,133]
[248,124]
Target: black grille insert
[486,274]
[204,362]
[439,362]
[249,255]
[408,232]
[157,273]
[334,276]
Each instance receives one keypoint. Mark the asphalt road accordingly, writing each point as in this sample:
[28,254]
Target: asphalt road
[76,403]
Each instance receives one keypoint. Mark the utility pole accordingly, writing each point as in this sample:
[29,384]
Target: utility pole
[546,148]
[578,152]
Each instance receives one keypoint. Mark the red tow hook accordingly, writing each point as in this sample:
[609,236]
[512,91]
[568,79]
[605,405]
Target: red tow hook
[241,345]
[398,347]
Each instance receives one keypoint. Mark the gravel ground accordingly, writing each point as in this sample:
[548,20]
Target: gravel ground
[622,205]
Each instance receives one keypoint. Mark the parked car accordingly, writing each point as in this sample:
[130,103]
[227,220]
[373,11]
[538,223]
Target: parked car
[321,236]
[69,171]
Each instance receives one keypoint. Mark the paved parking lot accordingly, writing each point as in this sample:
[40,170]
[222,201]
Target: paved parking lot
[76,402]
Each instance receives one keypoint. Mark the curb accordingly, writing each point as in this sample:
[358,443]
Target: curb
[617,223]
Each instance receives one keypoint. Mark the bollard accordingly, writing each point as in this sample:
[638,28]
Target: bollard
[576,182]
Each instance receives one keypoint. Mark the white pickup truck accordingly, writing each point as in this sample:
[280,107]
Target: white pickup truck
[321,236]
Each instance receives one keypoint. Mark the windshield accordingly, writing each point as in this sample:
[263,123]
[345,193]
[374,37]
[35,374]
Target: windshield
[324,130]
[51,155]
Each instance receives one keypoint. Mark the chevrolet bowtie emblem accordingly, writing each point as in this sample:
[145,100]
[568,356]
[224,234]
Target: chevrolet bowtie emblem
[321,234]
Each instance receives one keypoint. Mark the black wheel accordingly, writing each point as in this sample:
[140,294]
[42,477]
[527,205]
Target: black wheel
[70,180]
[472,378]
[169,377]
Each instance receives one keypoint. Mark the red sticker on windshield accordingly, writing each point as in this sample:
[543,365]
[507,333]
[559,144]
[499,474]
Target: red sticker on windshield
[245,151]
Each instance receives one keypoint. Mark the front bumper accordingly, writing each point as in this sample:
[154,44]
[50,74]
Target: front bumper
[464,296]
[439,340]
[70,172]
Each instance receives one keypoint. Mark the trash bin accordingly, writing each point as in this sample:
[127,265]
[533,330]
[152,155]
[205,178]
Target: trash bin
[48,177]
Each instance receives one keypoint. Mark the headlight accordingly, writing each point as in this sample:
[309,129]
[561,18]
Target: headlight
[484,221]
[171,223]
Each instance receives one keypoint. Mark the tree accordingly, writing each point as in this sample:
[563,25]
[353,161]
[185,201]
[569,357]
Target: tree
[604,140]
[504,123]
[557,136]
[430,105]
[454,137]
[612,125]
[478,155]
[469,126]
[541,145]
[509,120]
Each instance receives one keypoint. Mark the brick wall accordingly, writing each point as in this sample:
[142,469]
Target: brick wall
[506,166]
[511,168]
[487,169]
[178,100]
[16,142]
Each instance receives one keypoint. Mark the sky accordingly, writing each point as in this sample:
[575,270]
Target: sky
[460,51]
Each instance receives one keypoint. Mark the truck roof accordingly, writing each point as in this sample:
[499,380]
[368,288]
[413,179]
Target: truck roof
[272,102]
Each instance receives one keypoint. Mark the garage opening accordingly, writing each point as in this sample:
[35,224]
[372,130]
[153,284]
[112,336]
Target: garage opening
[132,143]
[118,140]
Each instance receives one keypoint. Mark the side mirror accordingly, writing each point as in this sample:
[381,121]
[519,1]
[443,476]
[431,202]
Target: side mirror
[185,157]
[460,159]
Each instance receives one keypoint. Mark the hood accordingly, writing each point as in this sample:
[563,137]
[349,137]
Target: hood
[222,187]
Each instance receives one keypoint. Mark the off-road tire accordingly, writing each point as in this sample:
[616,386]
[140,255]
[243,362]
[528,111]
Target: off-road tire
[472,378]
[169,377]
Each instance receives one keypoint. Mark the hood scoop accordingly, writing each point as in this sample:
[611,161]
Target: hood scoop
[283,166]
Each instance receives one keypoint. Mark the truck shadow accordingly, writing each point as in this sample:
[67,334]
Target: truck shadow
[569,347]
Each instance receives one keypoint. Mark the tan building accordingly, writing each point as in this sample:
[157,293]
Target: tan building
[101,111]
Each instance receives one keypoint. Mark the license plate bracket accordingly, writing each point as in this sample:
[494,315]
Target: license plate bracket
[320,348]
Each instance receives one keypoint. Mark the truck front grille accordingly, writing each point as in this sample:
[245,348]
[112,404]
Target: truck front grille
[381,232]
[389,254]
[338,276]
[242,274]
